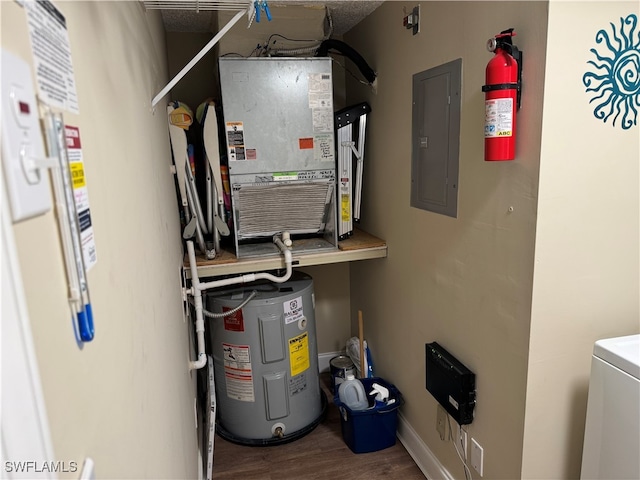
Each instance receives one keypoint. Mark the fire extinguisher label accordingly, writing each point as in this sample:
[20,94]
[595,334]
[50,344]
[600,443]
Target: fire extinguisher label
[498,117]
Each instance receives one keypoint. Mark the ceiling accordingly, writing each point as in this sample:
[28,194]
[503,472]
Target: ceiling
[344,13]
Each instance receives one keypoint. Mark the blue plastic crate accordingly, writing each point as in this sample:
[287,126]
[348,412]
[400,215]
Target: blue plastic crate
[372,429]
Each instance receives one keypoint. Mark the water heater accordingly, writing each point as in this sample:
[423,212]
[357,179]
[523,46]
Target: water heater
[279,135]
[266,361]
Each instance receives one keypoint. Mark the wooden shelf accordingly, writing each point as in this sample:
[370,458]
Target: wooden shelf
[360,246]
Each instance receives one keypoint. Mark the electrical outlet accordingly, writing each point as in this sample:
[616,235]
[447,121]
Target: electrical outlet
[460,437]
[477,456]
[441,422]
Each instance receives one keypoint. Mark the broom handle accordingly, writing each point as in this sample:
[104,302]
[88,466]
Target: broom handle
[363,374]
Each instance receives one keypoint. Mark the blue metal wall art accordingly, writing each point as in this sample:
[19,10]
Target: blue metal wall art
[614,80]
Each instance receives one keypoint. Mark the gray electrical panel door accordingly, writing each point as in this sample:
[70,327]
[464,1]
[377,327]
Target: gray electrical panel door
[435,138]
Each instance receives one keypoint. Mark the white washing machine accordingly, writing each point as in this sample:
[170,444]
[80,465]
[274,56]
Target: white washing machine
[612,432]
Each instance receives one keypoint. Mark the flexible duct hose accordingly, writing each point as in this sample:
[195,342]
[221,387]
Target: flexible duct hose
[294,51]
[346,50]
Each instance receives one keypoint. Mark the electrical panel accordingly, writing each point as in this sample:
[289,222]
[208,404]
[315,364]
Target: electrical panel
[435,138]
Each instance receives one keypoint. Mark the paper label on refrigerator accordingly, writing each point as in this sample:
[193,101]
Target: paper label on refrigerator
[51,55]
[238,373]
[320,91]
[235,140]
[81,194]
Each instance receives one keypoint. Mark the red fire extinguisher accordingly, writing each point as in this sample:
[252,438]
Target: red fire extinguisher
[502,97]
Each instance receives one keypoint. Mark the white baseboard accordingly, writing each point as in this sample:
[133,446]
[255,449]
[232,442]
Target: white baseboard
[424,458]
[325,358]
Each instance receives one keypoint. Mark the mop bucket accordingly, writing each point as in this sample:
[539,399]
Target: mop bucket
[372,429]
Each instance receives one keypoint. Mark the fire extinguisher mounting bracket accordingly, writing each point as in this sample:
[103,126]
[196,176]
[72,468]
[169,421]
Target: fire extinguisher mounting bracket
[516,53]
[500,86]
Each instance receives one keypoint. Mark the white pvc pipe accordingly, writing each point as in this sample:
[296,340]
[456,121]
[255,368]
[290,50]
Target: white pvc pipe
[198,287]
[202,356]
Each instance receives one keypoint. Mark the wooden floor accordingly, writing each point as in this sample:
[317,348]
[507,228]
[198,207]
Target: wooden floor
[321,454]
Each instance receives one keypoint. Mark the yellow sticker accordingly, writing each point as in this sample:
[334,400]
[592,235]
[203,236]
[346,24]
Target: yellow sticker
[299,353]
[346,207]
[77,175]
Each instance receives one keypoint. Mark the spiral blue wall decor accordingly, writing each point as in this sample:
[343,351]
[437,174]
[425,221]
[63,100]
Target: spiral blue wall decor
[614,80]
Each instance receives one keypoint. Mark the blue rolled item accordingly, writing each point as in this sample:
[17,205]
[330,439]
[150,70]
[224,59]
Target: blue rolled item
[85,323]
[370,372]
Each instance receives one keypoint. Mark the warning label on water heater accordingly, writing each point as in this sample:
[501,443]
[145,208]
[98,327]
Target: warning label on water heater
[297,384]
[299,353]
[237,372]
[233,322]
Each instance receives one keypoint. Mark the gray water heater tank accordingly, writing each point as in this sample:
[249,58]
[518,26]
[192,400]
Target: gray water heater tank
[266,361]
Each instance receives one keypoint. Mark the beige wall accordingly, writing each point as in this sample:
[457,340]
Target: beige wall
[331,289]
[126,399]
[201,82]
[291,21]
[586,262]
[466,282]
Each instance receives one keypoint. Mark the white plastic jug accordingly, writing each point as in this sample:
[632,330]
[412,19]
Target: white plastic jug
[351,393]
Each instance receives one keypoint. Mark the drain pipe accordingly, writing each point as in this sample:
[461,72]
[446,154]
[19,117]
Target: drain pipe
[198,287]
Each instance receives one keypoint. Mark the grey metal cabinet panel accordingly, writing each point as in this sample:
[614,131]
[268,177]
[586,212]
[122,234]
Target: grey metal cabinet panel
[435,138]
